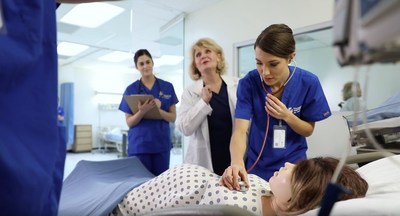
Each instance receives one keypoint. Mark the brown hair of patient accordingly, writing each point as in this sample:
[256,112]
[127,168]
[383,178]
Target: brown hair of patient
[347,91]
[309,181]
[211,44]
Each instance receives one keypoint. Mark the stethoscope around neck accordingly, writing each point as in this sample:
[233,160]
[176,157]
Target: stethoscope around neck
[142,88]
[268,117]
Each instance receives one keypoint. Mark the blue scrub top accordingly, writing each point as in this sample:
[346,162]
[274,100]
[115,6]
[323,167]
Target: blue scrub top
[31,154]
[150,135]
[303,95]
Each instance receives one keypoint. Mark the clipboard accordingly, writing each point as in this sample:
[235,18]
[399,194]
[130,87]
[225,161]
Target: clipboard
[133,101]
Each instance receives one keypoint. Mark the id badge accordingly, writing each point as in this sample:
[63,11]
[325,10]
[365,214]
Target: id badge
[279,136]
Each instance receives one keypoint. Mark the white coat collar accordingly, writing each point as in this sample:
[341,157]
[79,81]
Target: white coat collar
[197,85]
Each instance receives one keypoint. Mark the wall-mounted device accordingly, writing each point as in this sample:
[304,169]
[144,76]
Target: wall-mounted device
[366,31]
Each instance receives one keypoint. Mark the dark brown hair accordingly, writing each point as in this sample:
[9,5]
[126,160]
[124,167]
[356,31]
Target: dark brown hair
[277,40]
[140,53]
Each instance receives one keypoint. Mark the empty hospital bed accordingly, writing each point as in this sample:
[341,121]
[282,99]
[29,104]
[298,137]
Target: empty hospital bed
[383,122]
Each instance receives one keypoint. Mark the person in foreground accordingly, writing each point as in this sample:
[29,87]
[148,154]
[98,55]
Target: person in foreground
[32,154]
[207,107]
[277,107]
[150,139]
[294,189]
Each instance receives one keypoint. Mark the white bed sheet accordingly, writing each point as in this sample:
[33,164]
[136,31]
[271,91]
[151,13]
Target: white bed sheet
[383,195]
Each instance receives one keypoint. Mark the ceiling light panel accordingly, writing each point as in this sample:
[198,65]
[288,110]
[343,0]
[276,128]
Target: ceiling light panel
[91,15]
[167,60]
[116,56]
[70,49]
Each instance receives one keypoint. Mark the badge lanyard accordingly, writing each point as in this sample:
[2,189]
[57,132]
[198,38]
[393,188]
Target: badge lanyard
[279,130]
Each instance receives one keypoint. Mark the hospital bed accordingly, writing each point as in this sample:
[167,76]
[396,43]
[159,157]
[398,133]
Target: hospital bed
[114,137]
[383,122]
[96,187]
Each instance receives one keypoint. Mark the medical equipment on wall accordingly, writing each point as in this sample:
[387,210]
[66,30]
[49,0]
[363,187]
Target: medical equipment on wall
[366,32]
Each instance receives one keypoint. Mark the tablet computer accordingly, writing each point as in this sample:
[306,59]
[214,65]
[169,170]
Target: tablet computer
[133,101]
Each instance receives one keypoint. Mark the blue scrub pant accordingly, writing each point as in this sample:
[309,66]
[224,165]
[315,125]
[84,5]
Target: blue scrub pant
[156,163]
[58,173]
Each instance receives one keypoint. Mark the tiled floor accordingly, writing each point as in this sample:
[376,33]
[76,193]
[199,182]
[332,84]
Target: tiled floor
[73,158]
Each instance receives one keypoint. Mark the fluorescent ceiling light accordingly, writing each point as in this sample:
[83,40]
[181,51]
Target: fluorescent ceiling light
[70,49]
[116,56]
[91,15]
[167,60]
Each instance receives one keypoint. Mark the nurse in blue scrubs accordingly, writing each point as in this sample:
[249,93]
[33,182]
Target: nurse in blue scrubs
[31,154]
[277,107]
[150,139]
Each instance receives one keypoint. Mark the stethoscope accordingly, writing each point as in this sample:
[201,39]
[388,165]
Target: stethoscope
[142,88]
[268,117]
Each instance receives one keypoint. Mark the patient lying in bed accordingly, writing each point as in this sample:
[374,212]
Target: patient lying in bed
[293,189]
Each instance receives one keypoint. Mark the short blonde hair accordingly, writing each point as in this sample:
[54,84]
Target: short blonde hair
[347,90]
[211,44]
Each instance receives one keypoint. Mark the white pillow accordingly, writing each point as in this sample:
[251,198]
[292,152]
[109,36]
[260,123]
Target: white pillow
[382,175]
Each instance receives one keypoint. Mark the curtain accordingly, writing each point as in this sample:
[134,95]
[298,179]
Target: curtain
[67,102]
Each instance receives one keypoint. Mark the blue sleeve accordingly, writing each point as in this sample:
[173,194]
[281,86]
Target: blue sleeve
[316,106]
[174,99]
[244,104]
[170,97]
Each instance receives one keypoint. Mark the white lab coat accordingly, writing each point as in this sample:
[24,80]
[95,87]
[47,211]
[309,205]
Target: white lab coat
[192,120]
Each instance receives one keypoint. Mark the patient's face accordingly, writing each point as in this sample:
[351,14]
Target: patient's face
[281,183]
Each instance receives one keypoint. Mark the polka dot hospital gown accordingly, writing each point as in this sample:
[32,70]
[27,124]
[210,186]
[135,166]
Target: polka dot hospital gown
[188,184]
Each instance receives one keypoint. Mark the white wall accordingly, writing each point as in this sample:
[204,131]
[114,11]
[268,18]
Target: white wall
[381,79]
[101,78]
[234,21]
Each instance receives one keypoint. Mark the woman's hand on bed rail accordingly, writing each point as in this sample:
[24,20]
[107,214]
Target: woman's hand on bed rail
[231,176]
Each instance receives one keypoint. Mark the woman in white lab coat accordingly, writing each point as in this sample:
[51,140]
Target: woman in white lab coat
[352,100]
[207,108]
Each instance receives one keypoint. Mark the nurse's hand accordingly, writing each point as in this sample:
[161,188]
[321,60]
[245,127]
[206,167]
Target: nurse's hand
[158,102]
[231,175]
[146,106]
[276,108]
